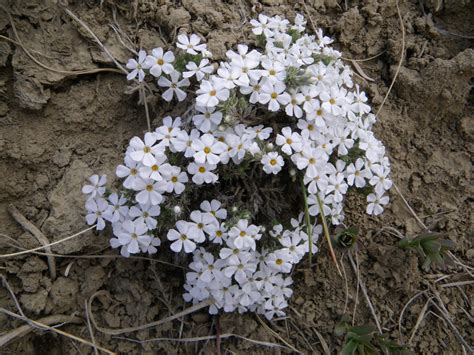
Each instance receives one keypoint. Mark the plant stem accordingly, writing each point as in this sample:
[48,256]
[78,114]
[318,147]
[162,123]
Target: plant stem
[307,221]
[143,96]
[326,233]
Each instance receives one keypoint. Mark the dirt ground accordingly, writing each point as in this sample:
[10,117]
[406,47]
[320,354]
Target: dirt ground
[58,127]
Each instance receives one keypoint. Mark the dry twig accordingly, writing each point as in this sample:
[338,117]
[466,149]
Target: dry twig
[42,239]
[144,326]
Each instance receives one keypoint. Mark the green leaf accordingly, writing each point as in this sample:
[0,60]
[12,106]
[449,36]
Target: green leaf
[362,330]
[349,348]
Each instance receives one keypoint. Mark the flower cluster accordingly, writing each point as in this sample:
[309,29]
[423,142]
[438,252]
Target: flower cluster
[323,137]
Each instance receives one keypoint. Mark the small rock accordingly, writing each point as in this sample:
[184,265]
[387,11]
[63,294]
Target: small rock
[63,293]
[30,282]
[66,209]
[62,157]
[470,254]
[5,51]
[299,300]
[35,302]
[30,92]
[200,317]
[34,264]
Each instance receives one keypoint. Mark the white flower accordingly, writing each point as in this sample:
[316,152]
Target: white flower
[180,238]
[207,119]
[279,260]
[355,174]
[219,234]
[96,188]
[201,222]
[376,203]
[244,235]
[151,249]
[262,132]
[208,149]
[241,267]
[174,86]
[272,163]
[137,67]
[311,159]
[132,235]
[200,71]
[333,101]
[202,173]
[293,108]
[261,26]
[175,180]
[145,214]
[337,185]
[190,44]
[274,71]
[117,210]
[380,179]
[144,152]
[149,192]
[159,62]
[289,141]
[314,206]
[157,170]
[170,129]
[211,92]
[183,142]
[214,208]
[129,171]
[97,209]
[254,88]
[274,95]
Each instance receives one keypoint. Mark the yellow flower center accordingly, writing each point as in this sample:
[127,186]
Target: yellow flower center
[278,261]
[213,93]
[312,160]
[174,179]
[160,61]
[289,141]
[274,95]
[154,167]
[202,169]
[272,72]
[183,237]
[147,149]
[207,150]
[242,234]
[149,188]
[273,162]
[332,101]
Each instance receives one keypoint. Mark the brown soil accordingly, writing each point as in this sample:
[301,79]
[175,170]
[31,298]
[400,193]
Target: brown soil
[57,128]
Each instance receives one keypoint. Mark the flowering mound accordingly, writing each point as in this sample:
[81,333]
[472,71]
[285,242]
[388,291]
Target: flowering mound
[313,125]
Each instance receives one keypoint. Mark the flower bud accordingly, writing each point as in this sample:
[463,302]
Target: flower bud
[234,209]
[292,172]
[177,210]
[270,146]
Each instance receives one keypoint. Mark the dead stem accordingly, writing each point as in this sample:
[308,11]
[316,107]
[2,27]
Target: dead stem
[19,42]
[144,326]
[40,237]
[326,233]
[47,245]
[364,291]
[402,55]
[275,334]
